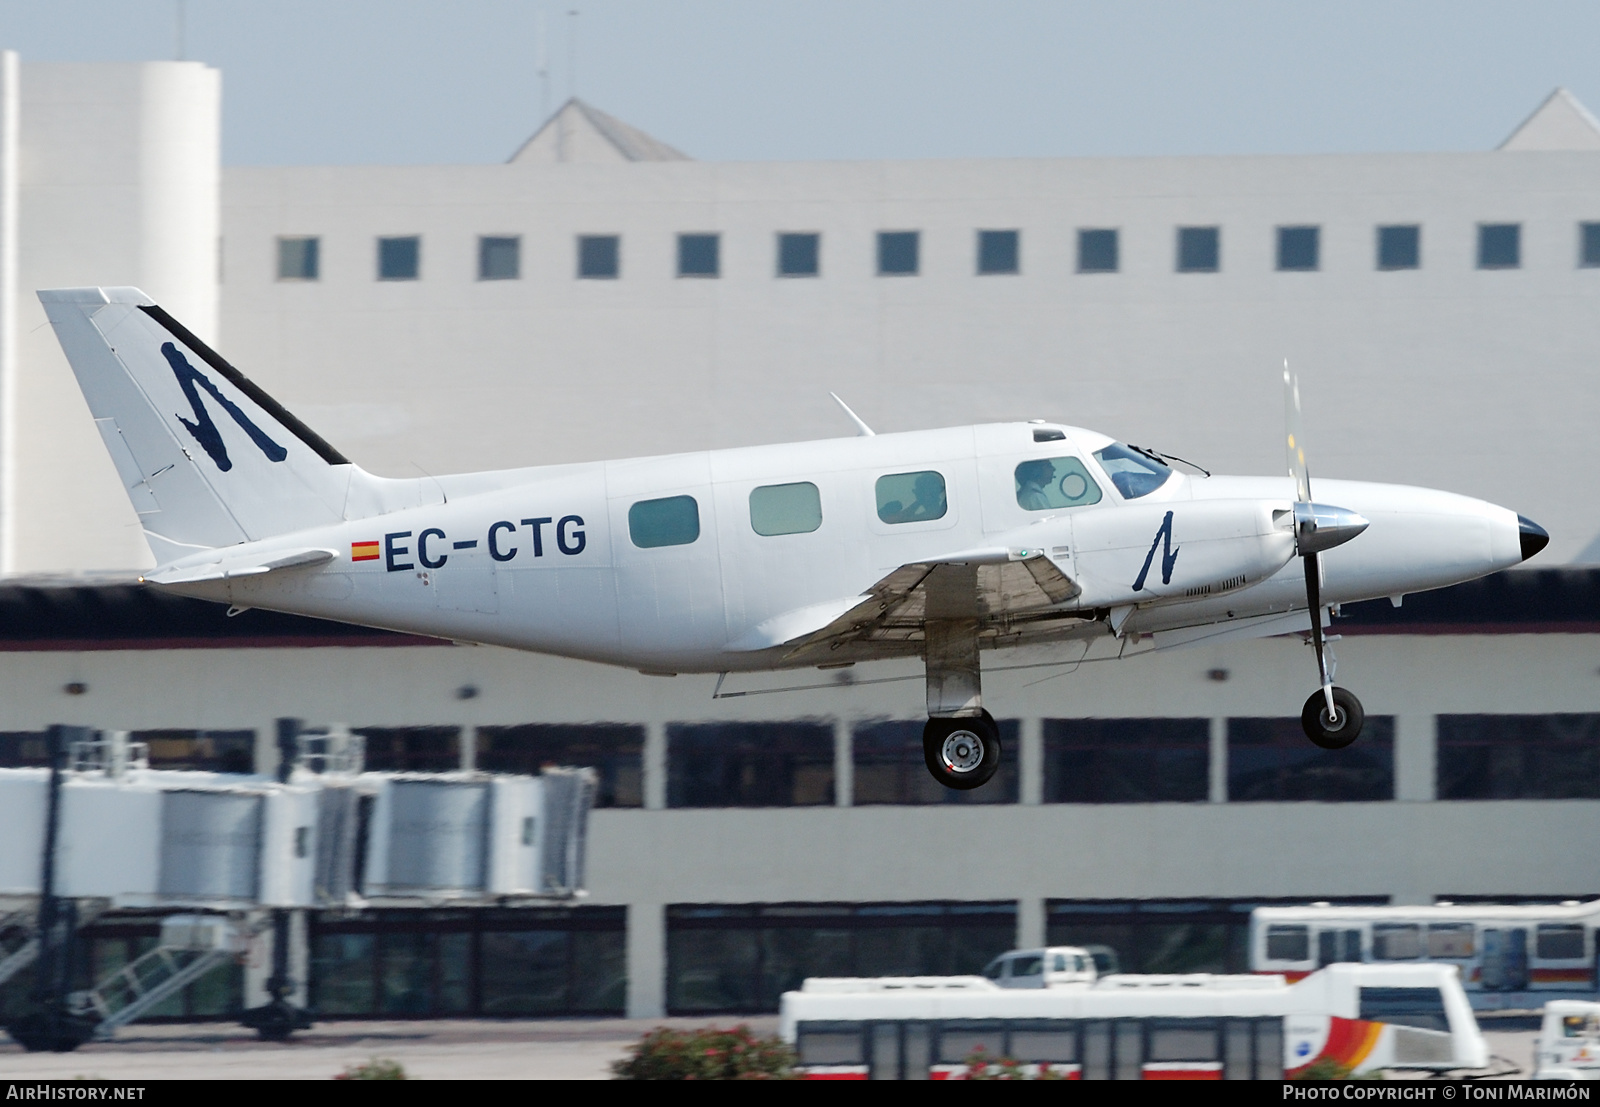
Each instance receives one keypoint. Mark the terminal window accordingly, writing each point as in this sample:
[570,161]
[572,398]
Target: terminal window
[1097,251]
[749,764]
[1499,245]
[897,253]
[1270,759]
[499,258]
[417,749]
[298,259]
[1400,247]
[1299,249]
[1589,245]
[799,255]
[1518,756]
[599,257]
[1199,249]
[24,748]
[614,750]
[743,957]
[491,963]
[999,252]
[1127,760]
[699,255]
[1155,935]
[890,767]
[399,259]
[216,751]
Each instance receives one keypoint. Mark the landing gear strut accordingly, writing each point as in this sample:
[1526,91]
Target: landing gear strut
[961,742]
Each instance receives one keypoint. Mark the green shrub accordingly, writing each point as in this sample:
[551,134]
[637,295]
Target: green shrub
[706,1054]
[980,1066]
[376,1069]
[1326,1068]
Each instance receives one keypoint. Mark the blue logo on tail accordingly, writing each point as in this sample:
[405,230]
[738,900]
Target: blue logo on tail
[204,430]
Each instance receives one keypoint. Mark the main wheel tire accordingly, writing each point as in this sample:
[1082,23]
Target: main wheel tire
[962,753]
[1322,730]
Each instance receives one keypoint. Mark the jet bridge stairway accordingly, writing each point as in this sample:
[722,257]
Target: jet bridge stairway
[19,937]
[190,947]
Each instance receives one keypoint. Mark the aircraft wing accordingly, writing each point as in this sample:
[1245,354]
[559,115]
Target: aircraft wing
[224,567]
[1012,597]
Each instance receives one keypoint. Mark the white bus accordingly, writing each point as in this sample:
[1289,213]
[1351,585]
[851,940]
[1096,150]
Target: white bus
[1124,1027]
[1509,956]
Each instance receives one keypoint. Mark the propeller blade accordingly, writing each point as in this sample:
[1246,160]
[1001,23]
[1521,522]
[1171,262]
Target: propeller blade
[1297,450]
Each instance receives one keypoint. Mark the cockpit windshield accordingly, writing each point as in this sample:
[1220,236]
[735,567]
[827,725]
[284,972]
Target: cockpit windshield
[1134,474]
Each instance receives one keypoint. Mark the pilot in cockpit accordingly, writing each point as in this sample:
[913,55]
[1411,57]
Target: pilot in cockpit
[1033,477]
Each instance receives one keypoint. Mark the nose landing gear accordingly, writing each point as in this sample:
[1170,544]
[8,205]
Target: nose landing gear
[1336,731]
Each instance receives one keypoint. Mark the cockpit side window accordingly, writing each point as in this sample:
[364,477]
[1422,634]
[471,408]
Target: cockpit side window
[1133,473]
[1050,483]
[911,497]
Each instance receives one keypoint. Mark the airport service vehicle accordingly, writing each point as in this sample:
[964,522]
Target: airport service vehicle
[1055,967]
[1510,957]
[1126,1027]
[1568,1045]
[933,544]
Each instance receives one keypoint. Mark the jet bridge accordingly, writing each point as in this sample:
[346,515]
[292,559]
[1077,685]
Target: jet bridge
[249,850]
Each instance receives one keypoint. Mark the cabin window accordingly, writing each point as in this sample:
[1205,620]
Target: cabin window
[911,497]
[1183,1040]
[1450,940]
[960,1039]
[1419,1007]
[1050,483]
[785,508]
[1135,474]
[830,1047]
[673,521]
[1559,943]
[1288,943]
[1396,942]
[1027,966]
[1044,1041]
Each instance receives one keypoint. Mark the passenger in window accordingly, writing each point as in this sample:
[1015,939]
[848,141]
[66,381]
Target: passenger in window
[1033,478]
[929,498]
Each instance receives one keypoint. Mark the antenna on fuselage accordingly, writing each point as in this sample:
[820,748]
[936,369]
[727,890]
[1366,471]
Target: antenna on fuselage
[862,430]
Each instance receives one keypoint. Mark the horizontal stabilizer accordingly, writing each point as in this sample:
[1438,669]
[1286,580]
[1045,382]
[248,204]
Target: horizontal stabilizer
[227,568]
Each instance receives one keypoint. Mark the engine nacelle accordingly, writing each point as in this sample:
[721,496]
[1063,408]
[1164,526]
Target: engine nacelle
[1175,551]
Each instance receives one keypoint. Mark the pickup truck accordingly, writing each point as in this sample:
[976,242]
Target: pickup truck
[1051,967]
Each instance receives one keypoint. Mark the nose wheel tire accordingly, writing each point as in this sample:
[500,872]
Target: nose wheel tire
[962,753]
[1335,733]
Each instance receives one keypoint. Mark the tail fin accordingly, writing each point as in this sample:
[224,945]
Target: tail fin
[207,458]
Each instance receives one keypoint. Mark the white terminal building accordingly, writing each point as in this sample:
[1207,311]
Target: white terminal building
[601,294]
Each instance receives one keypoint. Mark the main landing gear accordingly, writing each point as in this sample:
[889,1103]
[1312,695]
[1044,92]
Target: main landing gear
[962,753]
[961,742]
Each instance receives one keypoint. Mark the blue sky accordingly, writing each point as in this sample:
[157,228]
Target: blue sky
[417,81]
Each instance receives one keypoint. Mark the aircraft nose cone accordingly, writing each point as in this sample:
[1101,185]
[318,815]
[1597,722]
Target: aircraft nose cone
[1534,537]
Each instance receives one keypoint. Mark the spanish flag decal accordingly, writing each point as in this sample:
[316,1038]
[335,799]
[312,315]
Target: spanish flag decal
[363,551]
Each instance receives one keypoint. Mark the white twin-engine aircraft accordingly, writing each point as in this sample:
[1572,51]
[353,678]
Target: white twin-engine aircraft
[934,544]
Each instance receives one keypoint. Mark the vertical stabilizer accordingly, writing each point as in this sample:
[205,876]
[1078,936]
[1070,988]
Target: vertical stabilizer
[207,457]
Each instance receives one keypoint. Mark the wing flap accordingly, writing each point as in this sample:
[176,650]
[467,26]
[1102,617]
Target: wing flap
[1015,593]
